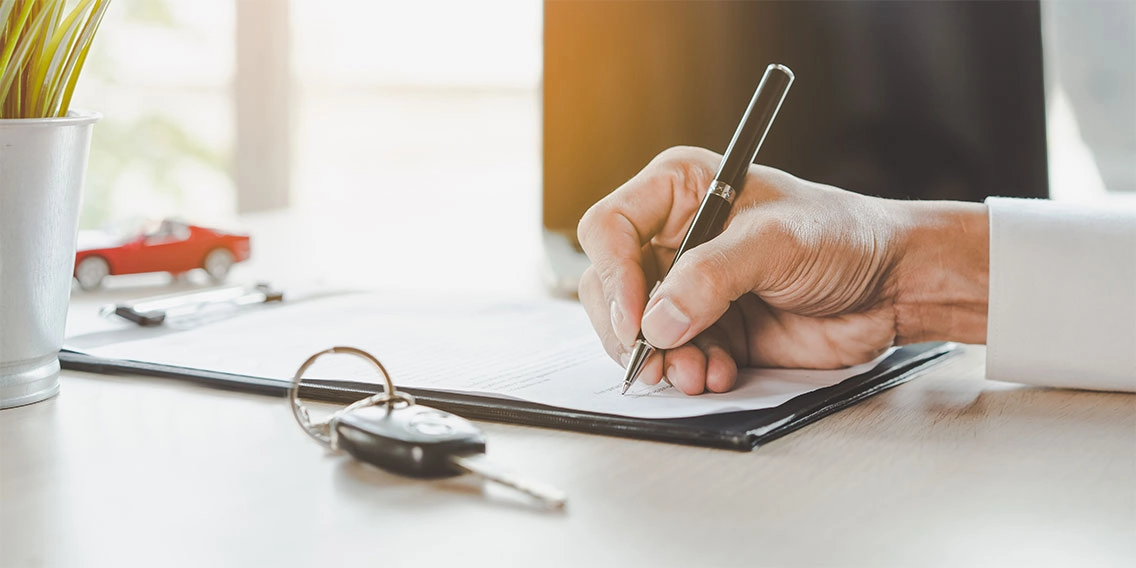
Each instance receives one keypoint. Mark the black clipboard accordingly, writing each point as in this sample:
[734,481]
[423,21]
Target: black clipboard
[743,431]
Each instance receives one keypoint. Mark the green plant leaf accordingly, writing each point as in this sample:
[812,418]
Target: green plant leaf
[78,57]
[42,57]
[45,46]
[23,51]
[13,29]
[5,8]
[59,49]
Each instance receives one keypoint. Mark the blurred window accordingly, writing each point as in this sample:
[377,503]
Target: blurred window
[160,73]
[379,97]
[384,99]
[1090,52]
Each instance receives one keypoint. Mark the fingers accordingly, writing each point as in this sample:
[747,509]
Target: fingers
[700,288]
[685,369]
[622,236]
[806,267]
[701,365]
[591,296]
[704,364]
[653,207]
[721,367]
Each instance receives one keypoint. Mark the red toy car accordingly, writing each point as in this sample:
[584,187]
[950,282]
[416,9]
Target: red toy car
[173,247]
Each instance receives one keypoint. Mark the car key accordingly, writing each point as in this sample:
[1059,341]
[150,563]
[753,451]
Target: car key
[420,441]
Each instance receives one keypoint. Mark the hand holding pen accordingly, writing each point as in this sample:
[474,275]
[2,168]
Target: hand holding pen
[803,275]
[711,216]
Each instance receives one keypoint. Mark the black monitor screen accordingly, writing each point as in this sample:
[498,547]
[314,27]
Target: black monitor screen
[909,100]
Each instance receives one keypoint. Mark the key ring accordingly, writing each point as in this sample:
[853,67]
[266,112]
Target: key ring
[324,430]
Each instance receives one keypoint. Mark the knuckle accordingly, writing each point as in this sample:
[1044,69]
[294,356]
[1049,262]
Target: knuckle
[599,232]
[609,275]
[679,155]
[779,232]
[590,222]
[687,165]
[589,286]
[672,156]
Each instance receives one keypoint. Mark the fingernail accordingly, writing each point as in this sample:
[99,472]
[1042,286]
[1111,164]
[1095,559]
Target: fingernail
[617,321]
[664,324]
[624,359]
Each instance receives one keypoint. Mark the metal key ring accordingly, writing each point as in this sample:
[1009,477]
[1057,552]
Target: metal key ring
[324,430]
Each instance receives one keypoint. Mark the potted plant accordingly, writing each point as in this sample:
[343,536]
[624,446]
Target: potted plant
[43,159]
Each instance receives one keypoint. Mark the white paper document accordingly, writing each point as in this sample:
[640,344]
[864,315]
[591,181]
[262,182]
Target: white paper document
[538,350]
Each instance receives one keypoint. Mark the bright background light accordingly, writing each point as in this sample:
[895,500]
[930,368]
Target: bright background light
[422,118]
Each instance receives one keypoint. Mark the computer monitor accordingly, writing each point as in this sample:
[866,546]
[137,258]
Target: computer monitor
[907,100]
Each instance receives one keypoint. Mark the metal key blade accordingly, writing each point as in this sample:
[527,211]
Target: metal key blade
[476,464]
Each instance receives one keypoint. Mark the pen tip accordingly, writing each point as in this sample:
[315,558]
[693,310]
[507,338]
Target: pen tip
[639,356]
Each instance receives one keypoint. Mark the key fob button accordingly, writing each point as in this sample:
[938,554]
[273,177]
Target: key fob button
[431,425]
[412,440]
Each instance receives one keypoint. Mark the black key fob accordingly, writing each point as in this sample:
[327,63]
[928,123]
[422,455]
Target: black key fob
[412,440]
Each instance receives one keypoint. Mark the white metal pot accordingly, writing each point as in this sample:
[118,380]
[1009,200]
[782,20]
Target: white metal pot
[42,165]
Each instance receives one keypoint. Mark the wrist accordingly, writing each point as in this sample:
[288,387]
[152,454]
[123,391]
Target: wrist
[942,277]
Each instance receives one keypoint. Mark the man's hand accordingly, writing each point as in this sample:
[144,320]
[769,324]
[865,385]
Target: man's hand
[803,275]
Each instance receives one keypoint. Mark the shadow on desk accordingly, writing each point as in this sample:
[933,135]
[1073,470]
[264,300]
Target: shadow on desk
[370,485]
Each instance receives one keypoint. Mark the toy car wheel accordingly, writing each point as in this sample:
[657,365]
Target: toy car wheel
[217,264]
[91,271]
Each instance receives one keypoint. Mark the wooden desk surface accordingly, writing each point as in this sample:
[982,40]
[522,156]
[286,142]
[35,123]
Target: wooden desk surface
[948,470]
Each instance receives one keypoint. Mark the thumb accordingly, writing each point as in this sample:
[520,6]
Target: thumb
[701,285]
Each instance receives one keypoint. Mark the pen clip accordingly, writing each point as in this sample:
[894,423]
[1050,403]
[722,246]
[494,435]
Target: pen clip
[154,311]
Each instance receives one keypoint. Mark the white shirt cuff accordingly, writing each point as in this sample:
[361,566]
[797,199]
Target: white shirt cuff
[1062,305]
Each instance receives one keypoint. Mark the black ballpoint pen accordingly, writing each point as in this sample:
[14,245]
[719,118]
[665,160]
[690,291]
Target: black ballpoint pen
[729,180]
